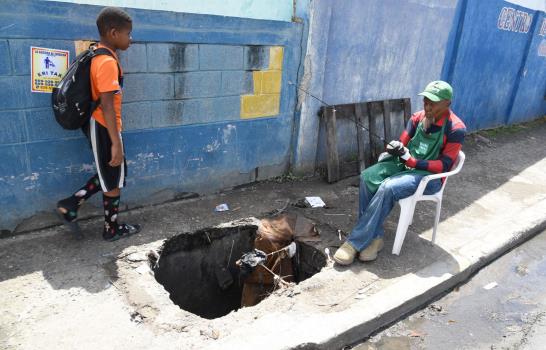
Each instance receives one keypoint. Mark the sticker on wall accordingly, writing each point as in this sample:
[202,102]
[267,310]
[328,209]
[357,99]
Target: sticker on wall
[48,67]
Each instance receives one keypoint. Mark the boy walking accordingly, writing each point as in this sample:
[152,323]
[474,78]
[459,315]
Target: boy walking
[104,128]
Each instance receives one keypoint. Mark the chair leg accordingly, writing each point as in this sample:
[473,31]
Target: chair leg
[406,213]
[436,220]
[412,211]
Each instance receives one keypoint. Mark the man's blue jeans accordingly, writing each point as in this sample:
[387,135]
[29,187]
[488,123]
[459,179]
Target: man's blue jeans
[373,209]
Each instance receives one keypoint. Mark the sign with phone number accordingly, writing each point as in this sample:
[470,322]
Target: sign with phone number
[48,68]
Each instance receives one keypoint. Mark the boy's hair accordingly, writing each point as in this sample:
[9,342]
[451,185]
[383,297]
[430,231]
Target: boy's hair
[112,17]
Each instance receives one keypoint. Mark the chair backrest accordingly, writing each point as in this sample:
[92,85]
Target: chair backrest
[458,164]
[455,168]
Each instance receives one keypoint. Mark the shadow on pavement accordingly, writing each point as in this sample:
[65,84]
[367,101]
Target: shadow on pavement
[67,263]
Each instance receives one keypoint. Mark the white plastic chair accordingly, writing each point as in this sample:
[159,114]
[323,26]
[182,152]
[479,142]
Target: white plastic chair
[407,205]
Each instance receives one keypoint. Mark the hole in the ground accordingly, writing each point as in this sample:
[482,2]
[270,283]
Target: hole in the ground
[199,271]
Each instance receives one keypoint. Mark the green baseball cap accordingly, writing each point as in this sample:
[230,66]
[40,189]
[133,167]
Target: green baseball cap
[437,91]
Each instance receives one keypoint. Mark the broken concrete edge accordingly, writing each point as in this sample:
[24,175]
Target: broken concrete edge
[181,241]
[333,330]
[417,301]
[145,294]
[152,301]
[149,300]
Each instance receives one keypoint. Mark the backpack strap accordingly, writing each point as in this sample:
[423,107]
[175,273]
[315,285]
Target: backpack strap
[104,51]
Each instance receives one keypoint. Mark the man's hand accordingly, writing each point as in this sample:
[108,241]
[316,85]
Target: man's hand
[396,148]
[117,155]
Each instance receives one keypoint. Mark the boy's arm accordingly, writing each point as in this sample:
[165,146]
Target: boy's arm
[107,105]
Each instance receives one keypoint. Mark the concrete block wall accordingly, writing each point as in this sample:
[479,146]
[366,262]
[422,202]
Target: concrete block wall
[185,125]
[172,84]
[265,99]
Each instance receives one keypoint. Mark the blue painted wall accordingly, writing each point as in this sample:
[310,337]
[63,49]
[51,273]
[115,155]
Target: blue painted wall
[183,131]
[487,64]
[373,50]
[186,72]
[364,51]
[530,97]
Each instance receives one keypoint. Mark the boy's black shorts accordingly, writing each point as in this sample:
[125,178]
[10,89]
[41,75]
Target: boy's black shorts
[110,177]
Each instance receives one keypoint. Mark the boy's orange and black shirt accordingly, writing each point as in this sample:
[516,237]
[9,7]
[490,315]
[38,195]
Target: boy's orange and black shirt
[105,78]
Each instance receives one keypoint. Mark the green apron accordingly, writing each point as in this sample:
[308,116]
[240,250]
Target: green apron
[422,146]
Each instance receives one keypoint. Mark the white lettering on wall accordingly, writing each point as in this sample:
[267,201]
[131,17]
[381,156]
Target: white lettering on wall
[514,20]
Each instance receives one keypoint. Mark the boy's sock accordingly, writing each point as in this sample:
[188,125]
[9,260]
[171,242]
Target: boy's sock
[112,230]
[111,208]
[69,206]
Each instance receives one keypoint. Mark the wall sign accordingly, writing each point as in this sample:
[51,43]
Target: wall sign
[48,66]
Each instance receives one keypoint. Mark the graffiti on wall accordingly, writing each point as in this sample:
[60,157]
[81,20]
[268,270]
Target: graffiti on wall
[514,20]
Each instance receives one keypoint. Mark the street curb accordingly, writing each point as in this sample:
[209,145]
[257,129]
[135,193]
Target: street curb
[367,329]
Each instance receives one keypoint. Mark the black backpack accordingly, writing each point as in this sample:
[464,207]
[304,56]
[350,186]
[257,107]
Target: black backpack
[71,100]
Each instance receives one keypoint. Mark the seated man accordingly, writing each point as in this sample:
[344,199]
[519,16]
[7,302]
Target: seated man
[430,144]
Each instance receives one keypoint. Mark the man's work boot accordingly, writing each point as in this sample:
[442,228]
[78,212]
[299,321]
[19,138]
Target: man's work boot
[345,254]
[370,253]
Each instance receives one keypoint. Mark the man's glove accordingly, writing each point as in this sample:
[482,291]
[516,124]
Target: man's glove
[396,148]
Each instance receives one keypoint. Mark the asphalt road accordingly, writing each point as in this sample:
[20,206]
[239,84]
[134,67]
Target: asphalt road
[501,307]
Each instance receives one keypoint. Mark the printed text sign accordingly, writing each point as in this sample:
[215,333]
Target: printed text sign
[48,67]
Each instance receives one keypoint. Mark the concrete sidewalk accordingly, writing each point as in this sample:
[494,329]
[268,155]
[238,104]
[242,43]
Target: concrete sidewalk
[60,293]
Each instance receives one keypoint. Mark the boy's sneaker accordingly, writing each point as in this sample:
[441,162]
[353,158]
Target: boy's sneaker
[67,211]
[124,230]
[68,208]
